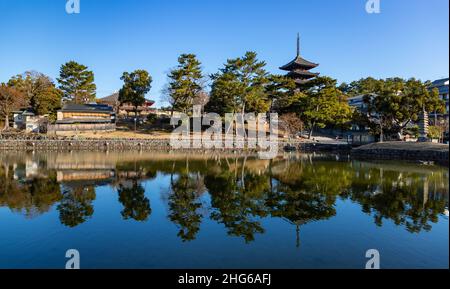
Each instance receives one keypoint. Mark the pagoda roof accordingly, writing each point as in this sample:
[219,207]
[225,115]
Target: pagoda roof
[302,74]
[299,63]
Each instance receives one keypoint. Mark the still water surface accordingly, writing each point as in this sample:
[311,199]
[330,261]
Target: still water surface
[151,210]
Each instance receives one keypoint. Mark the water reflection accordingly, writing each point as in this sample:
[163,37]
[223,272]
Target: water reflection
[135,205]
[237,192]
[75,206]
[409,198]
[184,203]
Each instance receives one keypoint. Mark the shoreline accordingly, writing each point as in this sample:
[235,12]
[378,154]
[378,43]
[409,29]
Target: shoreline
[148,144]
[422,152]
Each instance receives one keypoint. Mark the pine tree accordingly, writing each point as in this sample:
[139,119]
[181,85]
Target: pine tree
[240,86]
[185,84]
[77,83]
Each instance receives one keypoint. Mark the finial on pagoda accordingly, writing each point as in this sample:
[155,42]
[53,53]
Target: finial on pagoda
[299,68]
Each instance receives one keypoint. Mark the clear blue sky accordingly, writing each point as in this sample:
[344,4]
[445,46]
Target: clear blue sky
[409,38]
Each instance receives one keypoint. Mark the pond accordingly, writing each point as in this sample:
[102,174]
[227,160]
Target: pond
[155,210]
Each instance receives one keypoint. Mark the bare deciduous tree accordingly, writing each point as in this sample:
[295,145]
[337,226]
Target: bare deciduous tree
[291,124]
[10,99]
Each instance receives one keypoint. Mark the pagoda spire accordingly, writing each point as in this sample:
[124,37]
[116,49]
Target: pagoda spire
[299,68]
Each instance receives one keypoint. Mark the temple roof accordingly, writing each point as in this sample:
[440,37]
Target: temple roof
[302,74]
[94,108]
[113,100]
[299,63]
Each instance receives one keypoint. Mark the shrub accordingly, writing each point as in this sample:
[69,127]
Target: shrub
[151,118]
[434,132]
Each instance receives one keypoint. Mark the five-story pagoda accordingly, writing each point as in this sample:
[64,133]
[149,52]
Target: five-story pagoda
[299,68]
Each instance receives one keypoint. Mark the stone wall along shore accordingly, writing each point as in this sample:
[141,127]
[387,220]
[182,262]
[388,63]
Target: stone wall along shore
[135,144]
[424,152]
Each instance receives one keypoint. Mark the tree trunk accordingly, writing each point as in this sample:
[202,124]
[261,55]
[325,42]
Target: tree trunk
[171,115]
[6,127]
[402,128]
[310,134]
[381,134]
[135,119]
[243,114]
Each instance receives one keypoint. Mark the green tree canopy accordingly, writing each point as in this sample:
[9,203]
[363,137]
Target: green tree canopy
[323,104]
[41,93]
[283,93]
[136,85]
[362,86]
[240,86]
[77,83]
[394,103]
[185,83]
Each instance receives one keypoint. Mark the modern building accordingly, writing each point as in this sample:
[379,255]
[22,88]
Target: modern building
[29,122]
[357,102]
[442,86]
[299,68]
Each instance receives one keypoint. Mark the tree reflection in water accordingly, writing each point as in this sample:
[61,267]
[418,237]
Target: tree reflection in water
[184,204]
[306,193]
[406,198]
[238,202]
[243,191]
[76,206]
[136,205]
[30,197]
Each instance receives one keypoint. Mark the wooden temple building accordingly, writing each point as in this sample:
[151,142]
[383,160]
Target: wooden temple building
[126,108]
[299,68]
